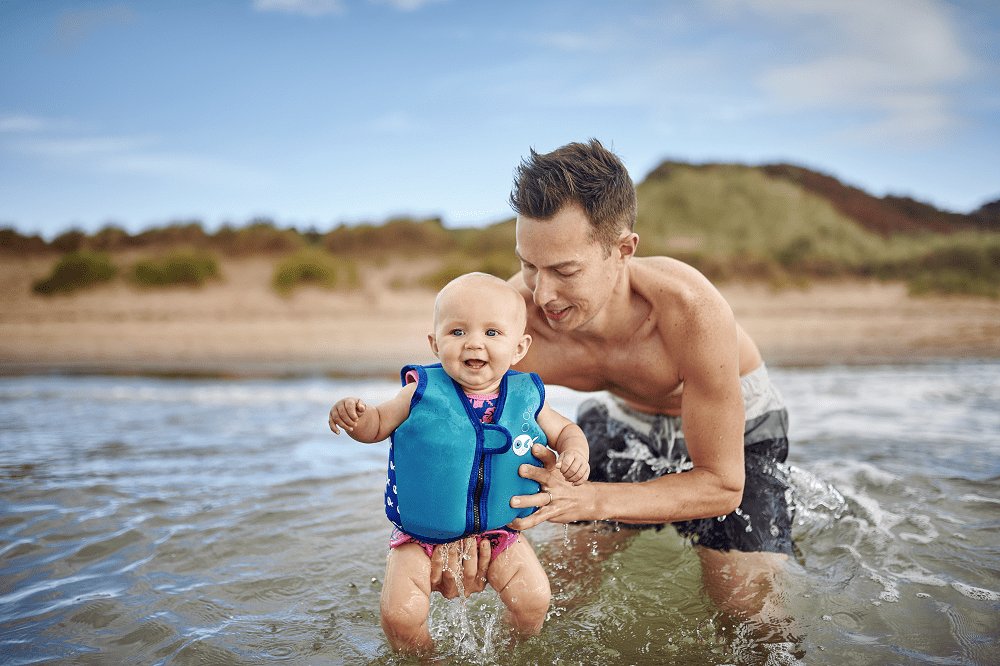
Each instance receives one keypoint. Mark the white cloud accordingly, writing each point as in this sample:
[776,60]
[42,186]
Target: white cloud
[88,147]
[406,5]
[311,8]
[900,59]
[22,124]
[133,155]
[75,25]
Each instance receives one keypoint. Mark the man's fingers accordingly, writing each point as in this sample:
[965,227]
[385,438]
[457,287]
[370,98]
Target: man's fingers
[521,524]
[485,554]
[442,568]
[527,471]
[436,569]
[470,566]
[544,454]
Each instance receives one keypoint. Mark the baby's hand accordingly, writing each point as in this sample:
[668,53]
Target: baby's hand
[346,414]
[574,467]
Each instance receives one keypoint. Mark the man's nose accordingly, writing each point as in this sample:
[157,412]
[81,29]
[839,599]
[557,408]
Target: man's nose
[544,291]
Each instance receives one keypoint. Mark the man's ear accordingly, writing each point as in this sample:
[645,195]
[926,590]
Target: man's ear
[521,349]
[434,344]
[627,245]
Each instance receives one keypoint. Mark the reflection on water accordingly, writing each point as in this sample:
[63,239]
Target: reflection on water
[149,520]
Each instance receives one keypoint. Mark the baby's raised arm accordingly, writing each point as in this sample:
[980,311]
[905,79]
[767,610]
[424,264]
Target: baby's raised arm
[366,423]
[569,441]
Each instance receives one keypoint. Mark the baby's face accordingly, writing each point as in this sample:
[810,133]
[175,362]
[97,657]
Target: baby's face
[479,333]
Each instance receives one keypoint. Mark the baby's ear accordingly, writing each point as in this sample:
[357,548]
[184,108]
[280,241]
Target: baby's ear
[434,344]
[522,348]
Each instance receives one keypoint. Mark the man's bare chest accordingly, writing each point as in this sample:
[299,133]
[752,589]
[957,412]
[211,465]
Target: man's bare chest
[641,372]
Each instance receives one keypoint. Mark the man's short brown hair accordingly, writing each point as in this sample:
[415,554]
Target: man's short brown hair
[587,174]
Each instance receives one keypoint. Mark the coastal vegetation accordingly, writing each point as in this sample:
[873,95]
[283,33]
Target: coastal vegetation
[313,266]
[181,267]
[783,224]
[76,270]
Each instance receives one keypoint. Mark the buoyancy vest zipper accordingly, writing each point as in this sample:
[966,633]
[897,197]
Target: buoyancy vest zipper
[477,496]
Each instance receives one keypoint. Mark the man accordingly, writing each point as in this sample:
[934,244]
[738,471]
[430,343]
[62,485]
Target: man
[689,429]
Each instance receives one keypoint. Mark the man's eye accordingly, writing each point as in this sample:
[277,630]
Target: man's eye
[525,266]
[456,332]
[567,273]
[492,332]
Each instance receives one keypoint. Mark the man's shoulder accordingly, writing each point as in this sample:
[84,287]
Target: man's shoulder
[517,281]
[678,294]
[659,278]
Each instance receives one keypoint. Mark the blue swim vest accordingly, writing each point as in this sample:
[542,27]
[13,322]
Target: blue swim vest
[451,475]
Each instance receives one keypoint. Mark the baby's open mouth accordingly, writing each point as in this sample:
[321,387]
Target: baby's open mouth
[475,363]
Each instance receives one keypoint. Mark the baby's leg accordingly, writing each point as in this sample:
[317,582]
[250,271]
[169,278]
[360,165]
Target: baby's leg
[517,575]
[406,597]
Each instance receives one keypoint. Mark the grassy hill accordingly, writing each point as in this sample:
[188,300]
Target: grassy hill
[786,223]
[782,223]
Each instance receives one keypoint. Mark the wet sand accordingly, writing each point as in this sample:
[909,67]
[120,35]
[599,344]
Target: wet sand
[239,326]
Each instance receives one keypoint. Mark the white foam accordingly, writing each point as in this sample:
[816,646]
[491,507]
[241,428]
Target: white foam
[972,497]
[977,593]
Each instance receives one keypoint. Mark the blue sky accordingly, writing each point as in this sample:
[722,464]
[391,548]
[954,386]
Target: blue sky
[317,112]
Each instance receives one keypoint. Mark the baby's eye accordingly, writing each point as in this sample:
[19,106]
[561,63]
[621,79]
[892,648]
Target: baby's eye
[492,332]
[456,332]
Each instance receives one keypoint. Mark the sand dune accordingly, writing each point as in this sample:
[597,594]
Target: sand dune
[241,327]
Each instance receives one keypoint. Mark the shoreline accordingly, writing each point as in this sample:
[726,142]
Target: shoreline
[292,371]
[240,328]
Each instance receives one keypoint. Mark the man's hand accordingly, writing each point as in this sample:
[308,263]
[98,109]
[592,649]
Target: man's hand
[558,500]
[346,414]
[574,466]
[460,556]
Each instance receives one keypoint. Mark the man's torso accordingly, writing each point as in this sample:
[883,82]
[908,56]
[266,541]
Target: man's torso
[642,369]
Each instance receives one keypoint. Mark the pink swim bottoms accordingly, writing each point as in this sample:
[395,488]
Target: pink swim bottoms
[500,540]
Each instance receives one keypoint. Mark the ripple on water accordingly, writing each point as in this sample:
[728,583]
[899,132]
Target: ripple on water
[102,547]
[151,521]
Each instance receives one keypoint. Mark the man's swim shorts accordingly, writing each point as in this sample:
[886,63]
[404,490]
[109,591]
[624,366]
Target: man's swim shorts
[630,446]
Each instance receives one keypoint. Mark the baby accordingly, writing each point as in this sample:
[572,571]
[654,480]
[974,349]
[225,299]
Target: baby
[460,429]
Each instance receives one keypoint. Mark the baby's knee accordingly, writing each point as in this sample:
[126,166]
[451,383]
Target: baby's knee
[530,601]
[405,617]
[537,601]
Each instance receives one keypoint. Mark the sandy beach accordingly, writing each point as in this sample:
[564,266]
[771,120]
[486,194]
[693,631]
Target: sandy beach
[240,327]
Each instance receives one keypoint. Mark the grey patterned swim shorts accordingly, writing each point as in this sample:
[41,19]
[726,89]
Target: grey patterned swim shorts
[629,446]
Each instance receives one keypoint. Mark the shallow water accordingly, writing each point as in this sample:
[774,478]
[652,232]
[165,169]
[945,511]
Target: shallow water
[177,521]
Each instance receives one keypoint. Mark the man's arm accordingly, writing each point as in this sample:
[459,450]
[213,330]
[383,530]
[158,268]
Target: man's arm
[713,419]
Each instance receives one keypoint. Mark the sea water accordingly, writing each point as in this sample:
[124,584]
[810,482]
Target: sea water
[147,520]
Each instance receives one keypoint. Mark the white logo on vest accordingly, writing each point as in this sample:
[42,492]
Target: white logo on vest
[522,444]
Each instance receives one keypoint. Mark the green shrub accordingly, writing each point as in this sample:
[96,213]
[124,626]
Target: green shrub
[14,242]
[957,264]
[260,236]
[500,264]
[950,281]
[313,266]
[77,270]
[398,236]
[191,268]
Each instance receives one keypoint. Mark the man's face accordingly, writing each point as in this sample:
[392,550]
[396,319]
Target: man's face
[569,276]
